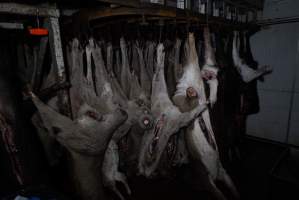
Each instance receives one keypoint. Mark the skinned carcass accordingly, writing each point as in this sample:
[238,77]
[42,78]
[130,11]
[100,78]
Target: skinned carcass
[247,74]
[168,120]
[200,138]
[192,79]
[103,85]
[210,70]
[83,87]
[86,139]
[139,120]
[95,120]
[129,80]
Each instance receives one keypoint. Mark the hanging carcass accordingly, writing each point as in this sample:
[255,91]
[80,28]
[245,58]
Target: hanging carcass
[247,74]
[87,136]
[134,102]
[210,69]
[200,138]
[86,139]
[168,120]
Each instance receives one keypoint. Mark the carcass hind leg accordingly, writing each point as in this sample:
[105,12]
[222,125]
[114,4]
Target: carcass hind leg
[204,182]
[225,178]
[212,188]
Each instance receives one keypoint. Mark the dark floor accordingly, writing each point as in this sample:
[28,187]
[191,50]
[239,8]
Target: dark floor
[266,171]
[258,159]
[252,175]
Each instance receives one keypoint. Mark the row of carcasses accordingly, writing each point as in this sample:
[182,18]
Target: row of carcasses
[143,104]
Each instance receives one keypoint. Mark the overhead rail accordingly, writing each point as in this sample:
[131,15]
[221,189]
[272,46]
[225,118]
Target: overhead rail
[154,12]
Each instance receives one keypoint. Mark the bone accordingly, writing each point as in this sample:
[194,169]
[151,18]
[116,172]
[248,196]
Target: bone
[168,120]
[202,147]
[247,74]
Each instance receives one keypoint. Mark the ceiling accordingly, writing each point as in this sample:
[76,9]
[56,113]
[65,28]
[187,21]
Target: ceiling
[252,4]
[257,4]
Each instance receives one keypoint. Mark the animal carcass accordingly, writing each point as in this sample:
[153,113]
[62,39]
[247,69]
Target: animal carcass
[139,117]
[96,118]
[86,139]
[247,74]
[168,120]
[199,136]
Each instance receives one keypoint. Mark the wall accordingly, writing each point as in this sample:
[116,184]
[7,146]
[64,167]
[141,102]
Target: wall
[278,46]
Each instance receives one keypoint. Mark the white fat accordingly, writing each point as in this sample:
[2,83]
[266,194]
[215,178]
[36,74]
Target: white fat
[201,149]
[213,85]
[190,78]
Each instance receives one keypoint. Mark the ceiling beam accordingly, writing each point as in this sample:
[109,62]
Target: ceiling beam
[130,3]
[30,10]
[91,17]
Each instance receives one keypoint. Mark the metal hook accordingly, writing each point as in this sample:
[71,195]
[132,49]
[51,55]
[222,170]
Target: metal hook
[37,17]
[143,20]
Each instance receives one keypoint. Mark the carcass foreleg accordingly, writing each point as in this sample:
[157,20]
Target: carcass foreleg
[110,172]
